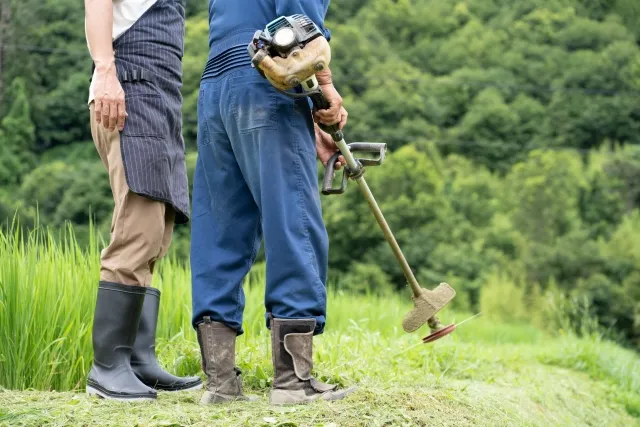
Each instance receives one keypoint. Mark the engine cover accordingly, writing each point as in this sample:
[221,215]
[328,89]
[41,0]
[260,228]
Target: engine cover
[289,50]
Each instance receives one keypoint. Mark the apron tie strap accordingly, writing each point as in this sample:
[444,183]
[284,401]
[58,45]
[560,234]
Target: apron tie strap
[133,76]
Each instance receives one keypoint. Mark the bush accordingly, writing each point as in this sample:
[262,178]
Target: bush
[367,279]
[504,300]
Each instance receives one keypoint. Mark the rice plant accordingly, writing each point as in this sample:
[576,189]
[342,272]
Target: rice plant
[48,286]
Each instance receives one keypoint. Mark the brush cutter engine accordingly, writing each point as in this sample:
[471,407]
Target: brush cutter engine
[288,53]
[289,50]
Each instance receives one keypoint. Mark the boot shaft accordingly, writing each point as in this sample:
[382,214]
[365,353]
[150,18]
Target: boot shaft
[145,343]
[218,350]
[292,347]
[292,352]
[143,357]
[115,322]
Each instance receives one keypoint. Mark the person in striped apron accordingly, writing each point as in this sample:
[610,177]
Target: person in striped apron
[256,177]
[136,124]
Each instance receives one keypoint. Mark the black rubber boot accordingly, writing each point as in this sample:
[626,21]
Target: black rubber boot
[292,352]
[143,359]
[115,325]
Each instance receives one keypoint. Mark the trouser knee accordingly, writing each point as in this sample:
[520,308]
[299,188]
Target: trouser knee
[141,236]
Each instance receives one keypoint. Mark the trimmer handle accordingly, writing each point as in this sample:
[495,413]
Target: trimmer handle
[321,103]
[329,172]
[375,148]
[379,149]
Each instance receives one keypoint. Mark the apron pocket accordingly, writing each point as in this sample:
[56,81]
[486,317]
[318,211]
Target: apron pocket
[147,116]
[147,165]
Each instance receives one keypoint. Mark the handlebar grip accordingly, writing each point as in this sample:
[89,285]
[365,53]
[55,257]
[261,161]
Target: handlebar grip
[321,103]
[377,148]
[327,182]
[369,147]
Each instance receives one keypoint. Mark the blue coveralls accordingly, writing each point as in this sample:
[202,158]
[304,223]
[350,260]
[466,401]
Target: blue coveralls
[255,177]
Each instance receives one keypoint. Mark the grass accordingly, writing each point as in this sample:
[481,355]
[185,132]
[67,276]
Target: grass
[487,373]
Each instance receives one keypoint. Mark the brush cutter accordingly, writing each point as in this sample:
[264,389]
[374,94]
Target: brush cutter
[288,53]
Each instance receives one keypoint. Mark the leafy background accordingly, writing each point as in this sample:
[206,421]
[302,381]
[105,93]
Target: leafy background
[513,129]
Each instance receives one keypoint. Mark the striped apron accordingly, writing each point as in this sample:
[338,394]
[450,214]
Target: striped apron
[149,63]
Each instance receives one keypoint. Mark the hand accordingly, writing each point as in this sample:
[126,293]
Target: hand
[336,113]
[326,147]
[109,98]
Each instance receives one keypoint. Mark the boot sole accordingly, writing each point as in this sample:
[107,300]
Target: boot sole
[188,387]
[283,397]
[95,391]
[211,398]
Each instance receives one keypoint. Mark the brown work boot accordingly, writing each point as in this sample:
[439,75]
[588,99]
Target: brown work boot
[218,349]
[292,348]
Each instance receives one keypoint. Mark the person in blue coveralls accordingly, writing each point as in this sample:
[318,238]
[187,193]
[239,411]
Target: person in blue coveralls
[256,178]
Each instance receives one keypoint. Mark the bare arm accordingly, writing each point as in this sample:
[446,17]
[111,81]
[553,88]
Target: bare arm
[99,16]
[109,95]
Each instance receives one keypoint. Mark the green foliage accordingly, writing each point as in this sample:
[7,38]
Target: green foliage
[366,279]
[456,70]
[493,124]
[511,127]
[47,39]
[603,205]
[58,192]
[65,114]
[504,300]
[196,47]
[544,192]
[17,137]
[629,11]
[462,224]
[196,8]
[48,285]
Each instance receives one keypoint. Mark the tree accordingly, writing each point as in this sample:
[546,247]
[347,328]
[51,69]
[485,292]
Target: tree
[5,19]
[52,53]
[544,193]
[487,133]
[17,139]
[196,53]
[512,129]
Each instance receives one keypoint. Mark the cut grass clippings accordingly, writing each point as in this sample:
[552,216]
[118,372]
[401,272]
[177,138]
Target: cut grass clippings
[535,395]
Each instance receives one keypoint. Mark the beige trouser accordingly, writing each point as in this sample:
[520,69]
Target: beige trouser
[141,228]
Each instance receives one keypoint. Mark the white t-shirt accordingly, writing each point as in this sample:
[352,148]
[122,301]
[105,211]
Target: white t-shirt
[125,14]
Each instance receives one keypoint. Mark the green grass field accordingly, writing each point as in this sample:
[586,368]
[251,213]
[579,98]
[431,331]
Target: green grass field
[487,373]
